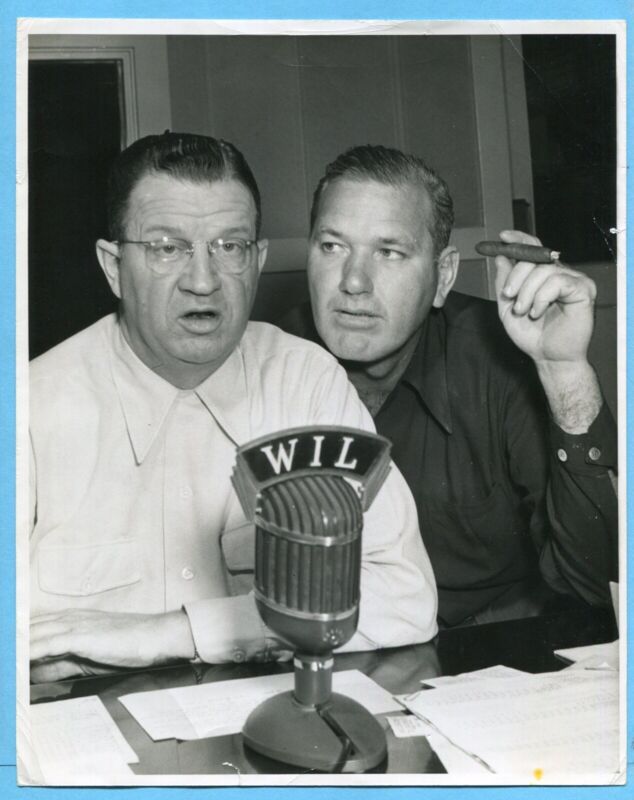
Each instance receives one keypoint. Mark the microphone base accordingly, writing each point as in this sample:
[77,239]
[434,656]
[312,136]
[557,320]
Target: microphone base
[338,736]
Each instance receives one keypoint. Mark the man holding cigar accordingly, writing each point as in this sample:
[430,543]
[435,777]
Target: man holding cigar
[496,417]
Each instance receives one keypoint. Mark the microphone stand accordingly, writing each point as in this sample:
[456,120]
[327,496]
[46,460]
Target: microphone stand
[306,490]
[315,728]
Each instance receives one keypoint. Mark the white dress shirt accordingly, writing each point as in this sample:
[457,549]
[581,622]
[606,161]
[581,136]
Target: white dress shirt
[133,506]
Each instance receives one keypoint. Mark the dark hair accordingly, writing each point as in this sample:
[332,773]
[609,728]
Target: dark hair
[185,156]
[390,166]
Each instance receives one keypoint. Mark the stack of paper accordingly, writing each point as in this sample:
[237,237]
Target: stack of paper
[560,727]
[74,742]
[499,671]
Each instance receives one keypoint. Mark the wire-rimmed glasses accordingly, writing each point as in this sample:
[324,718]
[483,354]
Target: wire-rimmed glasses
[167,254]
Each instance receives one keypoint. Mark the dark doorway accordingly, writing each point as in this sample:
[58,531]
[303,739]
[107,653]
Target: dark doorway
[571,97]
[75,129]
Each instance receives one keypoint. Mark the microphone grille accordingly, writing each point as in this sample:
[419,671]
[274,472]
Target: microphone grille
[308,544]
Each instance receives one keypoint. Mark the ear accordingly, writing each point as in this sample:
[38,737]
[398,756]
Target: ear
[448,262]
[109,259]
[263,249]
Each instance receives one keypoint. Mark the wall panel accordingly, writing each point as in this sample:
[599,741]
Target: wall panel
[439,116]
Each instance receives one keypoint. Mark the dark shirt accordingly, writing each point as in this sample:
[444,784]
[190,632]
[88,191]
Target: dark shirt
[510,506]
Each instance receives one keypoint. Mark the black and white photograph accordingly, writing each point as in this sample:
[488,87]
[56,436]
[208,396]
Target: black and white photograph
[320,380]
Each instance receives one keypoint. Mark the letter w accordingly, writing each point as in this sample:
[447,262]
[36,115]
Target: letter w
[282,458]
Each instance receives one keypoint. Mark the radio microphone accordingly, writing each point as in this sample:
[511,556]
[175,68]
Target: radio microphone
[309,522]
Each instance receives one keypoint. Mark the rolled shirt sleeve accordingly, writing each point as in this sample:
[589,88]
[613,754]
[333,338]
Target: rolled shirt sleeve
[229,629]
[582,509]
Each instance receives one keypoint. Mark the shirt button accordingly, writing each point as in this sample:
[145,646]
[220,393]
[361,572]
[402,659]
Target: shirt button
[186,491]
[86,585]
[562,455]
[187,573]
[594,453]
[239,656]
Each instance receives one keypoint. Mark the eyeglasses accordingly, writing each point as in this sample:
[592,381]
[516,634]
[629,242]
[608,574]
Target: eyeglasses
[166,254]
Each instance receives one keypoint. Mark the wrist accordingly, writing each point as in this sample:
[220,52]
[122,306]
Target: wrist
[563,372]
[573,393]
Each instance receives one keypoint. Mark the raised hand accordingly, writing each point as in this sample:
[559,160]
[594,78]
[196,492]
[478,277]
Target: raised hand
[548,311]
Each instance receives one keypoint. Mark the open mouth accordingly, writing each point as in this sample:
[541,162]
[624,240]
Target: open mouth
[200,315]
[360,313]
[358,319]
[200,322]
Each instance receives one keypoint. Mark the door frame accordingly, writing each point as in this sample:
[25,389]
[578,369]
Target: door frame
[145,74]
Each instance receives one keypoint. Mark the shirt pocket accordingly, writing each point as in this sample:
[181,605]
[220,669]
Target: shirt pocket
[238,552]
[88,569]
[472,542]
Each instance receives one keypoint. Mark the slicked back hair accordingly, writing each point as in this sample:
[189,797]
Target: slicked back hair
[394,168]
[183,156]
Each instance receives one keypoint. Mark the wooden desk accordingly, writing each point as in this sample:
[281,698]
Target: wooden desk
[526,644]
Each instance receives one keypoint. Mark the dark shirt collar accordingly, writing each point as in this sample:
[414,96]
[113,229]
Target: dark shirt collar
[426,372]
[427,369]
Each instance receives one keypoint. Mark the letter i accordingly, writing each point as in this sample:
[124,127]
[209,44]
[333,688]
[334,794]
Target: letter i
[316,462]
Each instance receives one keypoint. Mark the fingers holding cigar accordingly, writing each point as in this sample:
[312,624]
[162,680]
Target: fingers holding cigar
[519,246]
[546,307]
[523,267]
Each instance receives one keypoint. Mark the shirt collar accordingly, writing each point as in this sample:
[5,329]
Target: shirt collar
[427,369]
[146,398]
[225,394]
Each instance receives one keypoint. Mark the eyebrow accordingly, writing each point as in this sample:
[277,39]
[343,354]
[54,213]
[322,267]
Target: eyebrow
[330,232]
[239,230]
[404,241]
[177,233]
[166,230]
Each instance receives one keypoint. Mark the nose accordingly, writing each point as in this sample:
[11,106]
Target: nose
[200,275]
[355,275]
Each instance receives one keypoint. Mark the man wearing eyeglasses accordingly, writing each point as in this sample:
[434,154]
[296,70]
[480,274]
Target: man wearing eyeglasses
[140,553]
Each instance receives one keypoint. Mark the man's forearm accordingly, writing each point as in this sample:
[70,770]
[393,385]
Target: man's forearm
[573,393]
[114,639]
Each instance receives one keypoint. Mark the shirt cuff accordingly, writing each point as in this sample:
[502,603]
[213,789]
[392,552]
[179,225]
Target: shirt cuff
[590,452]
[227,629]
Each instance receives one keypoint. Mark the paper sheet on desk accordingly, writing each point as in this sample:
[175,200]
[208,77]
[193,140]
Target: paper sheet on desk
[217,709]
[455,760]
[76,742]
[498,671]
[407,725]
[548,728]
[593,656]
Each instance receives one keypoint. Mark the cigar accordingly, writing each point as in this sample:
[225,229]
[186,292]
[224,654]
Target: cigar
[519,252]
